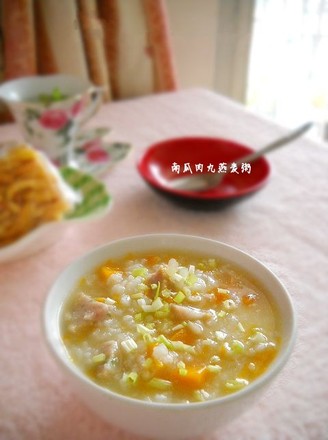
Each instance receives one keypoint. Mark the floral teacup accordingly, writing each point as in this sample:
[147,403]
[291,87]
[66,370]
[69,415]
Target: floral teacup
[50,109]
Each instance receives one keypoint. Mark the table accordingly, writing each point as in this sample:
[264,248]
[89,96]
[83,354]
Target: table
[283,225]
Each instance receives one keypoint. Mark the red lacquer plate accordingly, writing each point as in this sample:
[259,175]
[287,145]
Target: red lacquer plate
[160,164]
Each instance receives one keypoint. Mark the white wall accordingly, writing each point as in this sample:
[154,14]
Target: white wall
[194,26]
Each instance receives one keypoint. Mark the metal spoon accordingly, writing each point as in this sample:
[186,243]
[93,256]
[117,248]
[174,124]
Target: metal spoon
[206,181]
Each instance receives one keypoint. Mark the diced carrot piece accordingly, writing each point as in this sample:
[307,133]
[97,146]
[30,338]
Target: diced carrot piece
[193,378]
[104,272]
[265,357]
[221,295]
[184,335]
[150,348]
[261,360]
[249,299]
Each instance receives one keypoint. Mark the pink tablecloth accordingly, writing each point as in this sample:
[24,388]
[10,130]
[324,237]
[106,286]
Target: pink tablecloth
[284,225]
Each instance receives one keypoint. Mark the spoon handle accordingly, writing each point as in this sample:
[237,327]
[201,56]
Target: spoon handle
[276,144]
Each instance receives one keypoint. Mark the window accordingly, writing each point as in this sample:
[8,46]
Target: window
[288,64]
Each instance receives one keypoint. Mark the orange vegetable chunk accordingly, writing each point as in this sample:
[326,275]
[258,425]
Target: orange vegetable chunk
[184,335]
[194,378]
[104,272]
[249,299]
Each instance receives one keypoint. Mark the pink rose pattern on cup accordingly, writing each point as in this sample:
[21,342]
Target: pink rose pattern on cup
[60,122]
[95,152]
[54,119]
[77,107]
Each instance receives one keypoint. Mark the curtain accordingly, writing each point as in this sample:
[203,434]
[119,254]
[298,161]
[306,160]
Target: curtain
[122,45]
[235,24]
[288,62]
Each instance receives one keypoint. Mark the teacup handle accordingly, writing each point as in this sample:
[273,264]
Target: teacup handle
[95,93]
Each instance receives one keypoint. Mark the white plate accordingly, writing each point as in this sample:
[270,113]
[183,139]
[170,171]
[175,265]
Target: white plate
[95,203]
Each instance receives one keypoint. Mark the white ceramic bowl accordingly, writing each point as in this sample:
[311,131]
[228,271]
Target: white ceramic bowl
[163,420]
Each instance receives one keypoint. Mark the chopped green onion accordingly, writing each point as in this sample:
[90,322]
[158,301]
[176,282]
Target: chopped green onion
[236,384]
[256,329]
[158,289]
[186,290]
[237,346]
[129,345]
[201,395]
[180,346]
[130,378]
[160,384]
[183,271]
[163,339]
[142,329]
[198,396]
[177,277]
[142,287]
[262,346]
[181,364]
[153,286]
[141,301]
[138,317]
[99,358]
[166,293]
[179,297]
[241,327]
[183,371]
[140,272]
[137,295]
[221,313]
[259,337]
[191,279]
[147,338]
[162,313]
[213,368]
[157,304]
[224,291]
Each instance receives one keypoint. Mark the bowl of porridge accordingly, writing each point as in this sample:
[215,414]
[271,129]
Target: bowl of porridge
[169,336]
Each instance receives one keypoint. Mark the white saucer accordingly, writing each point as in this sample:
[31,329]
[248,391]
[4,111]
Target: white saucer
[95,155]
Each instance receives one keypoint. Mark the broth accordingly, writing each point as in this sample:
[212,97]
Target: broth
[170,327]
